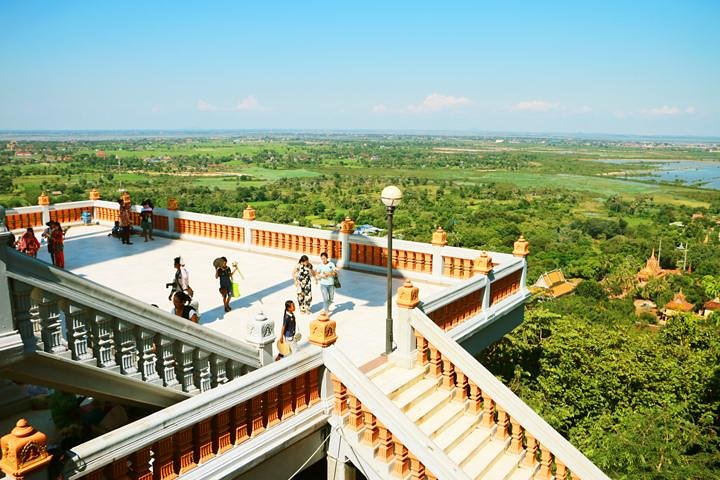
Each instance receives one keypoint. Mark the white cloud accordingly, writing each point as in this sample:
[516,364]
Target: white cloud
[249,103]
[666,111]
[536,106]
[437,101]
[379,108]
[204,106]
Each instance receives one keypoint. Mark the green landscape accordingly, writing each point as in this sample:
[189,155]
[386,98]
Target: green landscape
[637,393]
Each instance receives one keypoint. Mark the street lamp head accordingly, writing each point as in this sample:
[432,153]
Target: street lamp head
[391,196]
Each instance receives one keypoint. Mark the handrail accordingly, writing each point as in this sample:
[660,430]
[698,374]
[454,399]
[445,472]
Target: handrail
[505,398]
[28,270]
[103,450]
[431,455]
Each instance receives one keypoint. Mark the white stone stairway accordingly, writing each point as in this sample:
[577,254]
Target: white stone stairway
[444,417]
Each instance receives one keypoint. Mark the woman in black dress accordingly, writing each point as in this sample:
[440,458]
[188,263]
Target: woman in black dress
[224,274]
[302,275]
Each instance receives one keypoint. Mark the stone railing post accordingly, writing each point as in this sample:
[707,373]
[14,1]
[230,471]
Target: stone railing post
[484,266]
[172,207]
[522,250]
[25,453]
[248,215]
[439,240]
[322,331]
[261,333]
[407,299]
[347,227]
[44,202]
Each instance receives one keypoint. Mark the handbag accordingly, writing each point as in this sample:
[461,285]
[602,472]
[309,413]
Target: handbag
[235,289]
[336,281]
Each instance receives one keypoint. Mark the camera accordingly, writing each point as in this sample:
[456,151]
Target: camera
[168,285]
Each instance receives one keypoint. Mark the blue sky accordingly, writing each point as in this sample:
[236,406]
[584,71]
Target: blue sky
[608,67]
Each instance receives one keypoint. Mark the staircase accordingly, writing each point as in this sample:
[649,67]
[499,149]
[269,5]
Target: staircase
[446,418]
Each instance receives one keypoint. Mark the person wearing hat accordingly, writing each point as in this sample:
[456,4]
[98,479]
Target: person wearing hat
[287,343]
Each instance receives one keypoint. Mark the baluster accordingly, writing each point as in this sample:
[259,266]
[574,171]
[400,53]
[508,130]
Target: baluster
[117,470]
[422,348]
[104,343]
[545,472]
[147,360]
[167,356]
[313,387]
[163,465]
[49,312]
[271,407]
[28,318]
[239,419]
[140,465]
[341,396]
[447,263]
[502,424]
[96,475]
[203,440]
[184,452]
[370,434]
[402,261]
[516,442]
[355,419]
[461,384]
[184,367]
[256,415]
[286,400]
[428,263]
[222,439]
[201,367]
[530,459]
[457,267]
[475,405]
[78,338]
[300,398]
[385,449]
[417,469]
[560,470]
[401,467]
[435,362]
[218,371]
[448,373]
[488,417]
[126,353]
[235,369]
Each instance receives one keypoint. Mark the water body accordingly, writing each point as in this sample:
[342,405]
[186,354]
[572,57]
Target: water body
[687,172]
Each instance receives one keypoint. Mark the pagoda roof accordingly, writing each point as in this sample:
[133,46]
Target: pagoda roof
[679,303]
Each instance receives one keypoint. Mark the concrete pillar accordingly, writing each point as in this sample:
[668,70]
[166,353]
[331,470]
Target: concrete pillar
[249,216]
[486,292]
[407,300]
[6,317]
[172,206]
[439,240]
[347,227]
[44,202]
[521,249]
[340,469]
[24,453]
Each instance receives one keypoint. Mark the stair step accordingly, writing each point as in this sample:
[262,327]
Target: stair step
[469,445]
[444,417]
[455,432]
[505,467]
[524,473]
[415,392]
[379,370]
[428,405]
[483,459]
[395,378]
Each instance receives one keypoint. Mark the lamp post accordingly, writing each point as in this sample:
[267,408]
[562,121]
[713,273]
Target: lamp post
[391,197]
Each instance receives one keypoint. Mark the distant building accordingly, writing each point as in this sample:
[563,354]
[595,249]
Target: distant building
[11,145]
[554,284]
[653,269]
[100,153]
[367,229]
[677,305]
[21,154]
[711,306]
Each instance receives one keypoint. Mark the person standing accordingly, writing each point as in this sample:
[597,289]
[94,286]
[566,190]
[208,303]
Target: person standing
[57,241]
[302,275]
[326,271]
[125,222]
[289,327]
[181,282]
[224,274]
[146,219]
[28,243]
[47,235]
